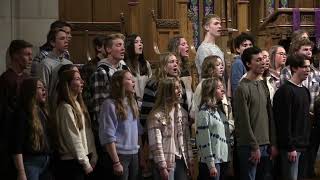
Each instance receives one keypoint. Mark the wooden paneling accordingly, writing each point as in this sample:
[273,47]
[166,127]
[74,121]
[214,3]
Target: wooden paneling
[109,10]
[166,9]
[75,10]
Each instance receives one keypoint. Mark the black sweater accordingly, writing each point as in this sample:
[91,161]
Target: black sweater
[291,113]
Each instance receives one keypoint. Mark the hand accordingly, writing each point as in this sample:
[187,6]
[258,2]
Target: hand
[292,156]
[255,156]
[118,169]
[274,152]
[164,173]
[213,172]
[88,170]
[21,175]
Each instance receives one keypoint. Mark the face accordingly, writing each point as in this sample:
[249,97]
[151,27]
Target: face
[281,57]
[76,85]
[117,50]
[138,45]
[265,58]
[306,50]
[303,72]
[61,43]
[219,91]
[219,68]
[256,64]
[128,83]
[244,45]
[214,27]
[305,36]
[24,58]
[177,90]
[68,31]
[172,68]
[41,94]
[183,48]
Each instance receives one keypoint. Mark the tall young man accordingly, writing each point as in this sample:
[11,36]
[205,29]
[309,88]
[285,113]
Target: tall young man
[291,113]
[20,53]
[254,125]
[212,27]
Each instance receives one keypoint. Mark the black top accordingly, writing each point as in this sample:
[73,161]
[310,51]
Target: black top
[21,142]
[291,113]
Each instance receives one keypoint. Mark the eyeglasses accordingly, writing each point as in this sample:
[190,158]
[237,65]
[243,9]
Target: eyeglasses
[282,54]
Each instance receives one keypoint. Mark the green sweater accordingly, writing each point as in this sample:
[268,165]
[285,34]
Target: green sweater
[251,114]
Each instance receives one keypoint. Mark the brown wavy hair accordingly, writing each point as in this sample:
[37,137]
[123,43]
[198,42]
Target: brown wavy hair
[209,87]
[64,96]
[166,95]
[30,105]
[161,72]
[118,93]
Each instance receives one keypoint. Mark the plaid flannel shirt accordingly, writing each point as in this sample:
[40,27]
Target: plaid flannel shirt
[161,138]
[100,83]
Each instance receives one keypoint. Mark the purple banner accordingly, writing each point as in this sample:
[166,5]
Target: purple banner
[317,26]
[296,19]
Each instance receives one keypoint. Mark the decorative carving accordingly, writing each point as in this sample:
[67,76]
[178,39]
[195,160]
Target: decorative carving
[167,23]
[307,19]
[96,26]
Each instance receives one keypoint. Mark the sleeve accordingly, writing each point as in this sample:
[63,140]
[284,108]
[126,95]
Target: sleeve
[242,118]
[19,134]
[201,54]
[72,135]
[99,89]
[282,105]
[155,142]
[149,98]
[285,75]
[204,140]
[107,123]
[91,146]
[236,75]
[44,73]
[149,70]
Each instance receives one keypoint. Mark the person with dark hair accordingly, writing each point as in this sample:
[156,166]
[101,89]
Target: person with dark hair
[291,113]
[254,125]
[75,141]
[242,42]
[47,46]
[138,65]
[49,67]
[212,27]
[31,142]
[90,67]
[20,53]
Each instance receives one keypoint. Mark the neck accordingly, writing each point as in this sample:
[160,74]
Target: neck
[57,52]
[278,69]
[253,76]
[209,39]
[17,69]
[113,61]
[296,80]
[100,55]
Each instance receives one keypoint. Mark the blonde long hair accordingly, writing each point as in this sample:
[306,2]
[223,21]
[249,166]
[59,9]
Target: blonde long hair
[118,93]
[209,87]
[32,107]
[65,96]
[161,72]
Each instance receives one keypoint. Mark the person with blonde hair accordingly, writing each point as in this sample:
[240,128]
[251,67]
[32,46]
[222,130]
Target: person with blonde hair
[31,142]
[75,143]
[118,127]
[165,133]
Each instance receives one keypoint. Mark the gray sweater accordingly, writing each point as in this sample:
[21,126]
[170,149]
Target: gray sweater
[251,114]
